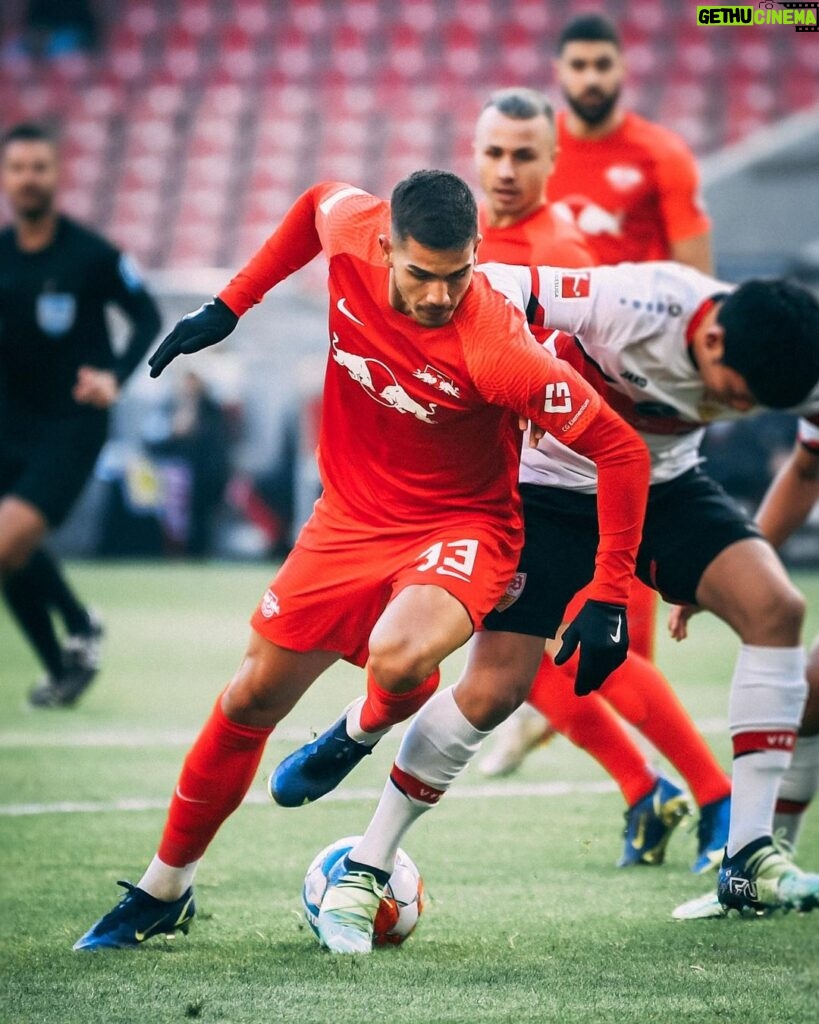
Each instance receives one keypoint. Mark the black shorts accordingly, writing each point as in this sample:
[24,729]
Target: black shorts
[689,521]
[47,462]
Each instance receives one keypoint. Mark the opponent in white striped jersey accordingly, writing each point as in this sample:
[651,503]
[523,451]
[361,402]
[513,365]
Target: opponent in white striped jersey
[635,327]
[674,350]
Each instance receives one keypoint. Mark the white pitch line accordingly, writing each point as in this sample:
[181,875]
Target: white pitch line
[485,791]
[143,737]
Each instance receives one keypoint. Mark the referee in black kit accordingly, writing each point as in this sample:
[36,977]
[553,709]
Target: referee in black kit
[59,376]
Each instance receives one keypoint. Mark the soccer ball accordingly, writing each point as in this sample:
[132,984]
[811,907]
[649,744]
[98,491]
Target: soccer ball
[403,898]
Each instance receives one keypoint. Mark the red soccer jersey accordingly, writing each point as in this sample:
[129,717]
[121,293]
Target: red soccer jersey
[418,423]
[631,192]
[540,239]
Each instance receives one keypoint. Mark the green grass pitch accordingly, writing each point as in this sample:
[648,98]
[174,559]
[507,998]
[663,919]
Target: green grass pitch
[527,918]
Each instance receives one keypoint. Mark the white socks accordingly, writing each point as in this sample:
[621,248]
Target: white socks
[353,725]
[767,698]
[799,786]
[436,747]
[165,882]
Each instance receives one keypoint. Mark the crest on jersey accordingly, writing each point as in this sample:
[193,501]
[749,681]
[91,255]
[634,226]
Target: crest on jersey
[624,177]
[436,379]
[55,312]
[270,604]
[513,592]
[574,284]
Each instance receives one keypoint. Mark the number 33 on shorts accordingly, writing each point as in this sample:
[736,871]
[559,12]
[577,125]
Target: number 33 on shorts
[454,558]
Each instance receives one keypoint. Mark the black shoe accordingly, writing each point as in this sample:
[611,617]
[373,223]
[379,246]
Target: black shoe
[138,916]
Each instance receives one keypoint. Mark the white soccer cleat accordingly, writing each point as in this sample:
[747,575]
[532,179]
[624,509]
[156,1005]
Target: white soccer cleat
[346,920]
[524,730]
[699,908]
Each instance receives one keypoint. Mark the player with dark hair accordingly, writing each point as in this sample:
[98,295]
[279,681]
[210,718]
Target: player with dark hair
[514,154]
[418,528]
[59,376]
[630,185]
[652,336]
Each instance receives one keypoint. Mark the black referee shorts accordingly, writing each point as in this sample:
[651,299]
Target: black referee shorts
[47,462]
[689,521]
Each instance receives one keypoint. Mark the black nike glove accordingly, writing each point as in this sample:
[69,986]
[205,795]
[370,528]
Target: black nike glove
[602,632]
[205,326]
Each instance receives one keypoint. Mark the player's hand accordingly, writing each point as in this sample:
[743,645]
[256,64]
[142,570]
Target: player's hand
[601,630]
[535,432]
[205,326]
[678,619]
[99,388]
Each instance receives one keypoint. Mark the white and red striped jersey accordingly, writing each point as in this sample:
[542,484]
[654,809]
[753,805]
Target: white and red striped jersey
[628,329]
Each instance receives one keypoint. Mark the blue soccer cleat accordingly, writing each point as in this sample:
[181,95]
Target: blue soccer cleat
[650,822]
[138,916]
[712,834]
[317,768]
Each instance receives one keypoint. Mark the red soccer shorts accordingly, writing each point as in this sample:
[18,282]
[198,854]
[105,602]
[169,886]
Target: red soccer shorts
[336,582]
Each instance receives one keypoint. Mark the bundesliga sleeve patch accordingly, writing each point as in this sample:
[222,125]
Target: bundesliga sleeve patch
[573,284]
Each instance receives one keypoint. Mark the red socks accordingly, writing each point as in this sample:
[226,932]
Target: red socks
[643,696]
[591,725]
[217,772]
[382,709]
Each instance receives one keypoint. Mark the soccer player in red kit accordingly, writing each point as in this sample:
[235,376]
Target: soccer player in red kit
[514,153]
[630,185]
[418,529]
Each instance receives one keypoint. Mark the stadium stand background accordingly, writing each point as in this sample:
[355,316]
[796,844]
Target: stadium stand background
[187,128]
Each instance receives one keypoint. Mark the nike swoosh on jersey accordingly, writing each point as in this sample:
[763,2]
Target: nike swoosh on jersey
[616,634]
[341,305]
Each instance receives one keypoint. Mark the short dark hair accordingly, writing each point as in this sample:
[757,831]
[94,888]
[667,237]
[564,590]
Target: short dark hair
[521,104]
[27,132]
[436,208]
[772,339]
[589,28]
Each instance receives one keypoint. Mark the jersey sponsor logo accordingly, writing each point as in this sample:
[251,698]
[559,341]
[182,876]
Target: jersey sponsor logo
[371,374]
[436,379]
[341,305]
[512,593]
[624,177]
[634,378]
[55,312]
[576,417]
[270,604]
[575,284]
[558,397]
[590,218]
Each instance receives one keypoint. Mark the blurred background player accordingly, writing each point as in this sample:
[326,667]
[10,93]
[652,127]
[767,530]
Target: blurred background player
[514,153]
[59,376]
[393,431]
[632,188]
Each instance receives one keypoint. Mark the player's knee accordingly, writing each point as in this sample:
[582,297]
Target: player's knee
[776,619]
[400,664]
